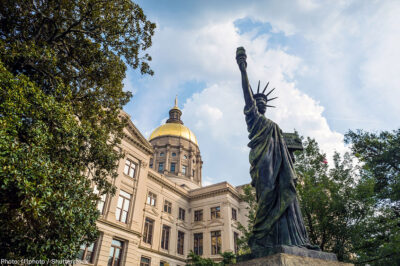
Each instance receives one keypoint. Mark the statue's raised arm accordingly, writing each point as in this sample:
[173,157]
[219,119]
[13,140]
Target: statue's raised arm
[241,61]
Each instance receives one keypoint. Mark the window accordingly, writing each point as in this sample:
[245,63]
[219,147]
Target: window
[151,199]
[215,212]
[198,244]
[151,163]
[193,161]
[185,156]
[86,253]
[160,167]
[181,239]
[184,169]
[165,237]
[129,168]
[193,172]
[167,206]
[101,202]
[181,214]
[173,154]
[215,242]
[161,154]
[145,261]
[172,169]
[235,242]
[148,231]
[115,252]
[234,214]
[121,213]
[163,263]
[198,215]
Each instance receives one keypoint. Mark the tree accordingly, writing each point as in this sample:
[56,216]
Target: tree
[67,61]
[196,260]
[248,195]
[335,202]
[380,159]
[46,203]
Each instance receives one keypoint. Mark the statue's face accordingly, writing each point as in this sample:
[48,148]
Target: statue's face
[261,105]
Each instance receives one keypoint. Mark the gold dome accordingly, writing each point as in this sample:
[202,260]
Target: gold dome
[174,129]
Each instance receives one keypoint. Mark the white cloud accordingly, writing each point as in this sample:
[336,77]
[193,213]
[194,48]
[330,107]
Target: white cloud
[349,61]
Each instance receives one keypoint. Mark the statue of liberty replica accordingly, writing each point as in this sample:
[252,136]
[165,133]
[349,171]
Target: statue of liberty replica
[279,226]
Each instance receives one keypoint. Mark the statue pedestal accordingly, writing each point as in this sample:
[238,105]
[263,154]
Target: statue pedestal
[288,256]
[282,259]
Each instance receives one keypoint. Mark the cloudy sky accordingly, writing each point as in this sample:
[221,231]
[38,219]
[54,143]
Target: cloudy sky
[335,66]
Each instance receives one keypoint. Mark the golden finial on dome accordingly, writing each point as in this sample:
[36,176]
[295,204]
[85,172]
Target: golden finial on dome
[176,101]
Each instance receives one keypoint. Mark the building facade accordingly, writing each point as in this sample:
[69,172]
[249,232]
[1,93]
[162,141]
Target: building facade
[161,211]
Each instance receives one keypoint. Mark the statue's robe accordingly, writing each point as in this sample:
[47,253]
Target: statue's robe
[278,217]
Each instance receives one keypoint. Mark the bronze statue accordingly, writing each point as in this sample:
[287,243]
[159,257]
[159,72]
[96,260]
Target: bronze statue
[278,218]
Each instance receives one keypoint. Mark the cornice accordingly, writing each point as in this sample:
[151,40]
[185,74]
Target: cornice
[117,226]
[216,192]
[227,189]
[168,185]
[162,253]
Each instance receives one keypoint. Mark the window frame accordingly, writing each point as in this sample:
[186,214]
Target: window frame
[198,213]
[167,206]
[181,243]
[85,251]
[215,250]
[161,167]
[131,168]
[121,248]
[122,208]
[215,212]
[198,243]
[151,199]
[172,165]
[181,214]
[101,201]
[165,235]
[145,263]
[184,169]
[234,214]
[148,231]
[235,242]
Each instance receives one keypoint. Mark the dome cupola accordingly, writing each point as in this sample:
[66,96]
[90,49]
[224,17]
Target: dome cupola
[176,151]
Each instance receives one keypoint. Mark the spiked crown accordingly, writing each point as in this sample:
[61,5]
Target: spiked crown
[262,95]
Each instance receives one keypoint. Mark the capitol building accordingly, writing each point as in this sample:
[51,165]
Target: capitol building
[161,211]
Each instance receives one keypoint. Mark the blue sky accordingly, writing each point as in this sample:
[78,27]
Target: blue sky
[335,66]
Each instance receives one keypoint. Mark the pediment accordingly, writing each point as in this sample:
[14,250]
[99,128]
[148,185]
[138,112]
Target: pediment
[198,225]
[215,222]
[182,224]
[152,210]
[168,217]
[133,134]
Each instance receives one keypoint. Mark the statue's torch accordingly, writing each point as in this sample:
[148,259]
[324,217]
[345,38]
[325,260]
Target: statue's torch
[241,58]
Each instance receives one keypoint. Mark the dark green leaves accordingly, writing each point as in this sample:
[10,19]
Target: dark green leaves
[62,67]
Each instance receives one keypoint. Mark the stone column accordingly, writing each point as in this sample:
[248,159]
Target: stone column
[167,163]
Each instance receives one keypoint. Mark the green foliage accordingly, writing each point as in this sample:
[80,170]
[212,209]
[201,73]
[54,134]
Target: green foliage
[379,243]
[47,207]
[334,202]
[249,197]
[62,72]
[380,156]
[196,260]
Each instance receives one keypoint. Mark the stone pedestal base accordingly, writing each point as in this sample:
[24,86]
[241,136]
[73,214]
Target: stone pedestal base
[282,259]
